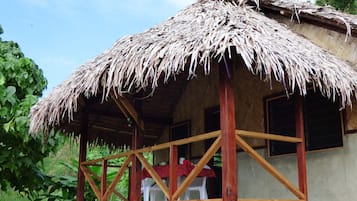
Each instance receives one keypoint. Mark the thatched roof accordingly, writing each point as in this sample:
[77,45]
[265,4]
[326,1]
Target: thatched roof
[189,43]
[307,12]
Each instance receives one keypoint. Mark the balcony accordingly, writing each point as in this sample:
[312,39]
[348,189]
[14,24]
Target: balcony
[103,189]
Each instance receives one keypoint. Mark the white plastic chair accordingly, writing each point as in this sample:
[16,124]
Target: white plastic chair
[199,185]
[150,189]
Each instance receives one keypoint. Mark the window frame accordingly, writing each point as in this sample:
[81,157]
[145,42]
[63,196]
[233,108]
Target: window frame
[307,148]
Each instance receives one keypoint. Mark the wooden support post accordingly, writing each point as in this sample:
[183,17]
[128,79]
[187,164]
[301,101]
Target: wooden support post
[173,171]
[103,187]
[82,156]
[228,126]
[300,147]
[135,174]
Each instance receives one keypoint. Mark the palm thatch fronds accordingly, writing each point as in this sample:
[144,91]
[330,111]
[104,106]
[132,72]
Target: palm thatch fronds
[204,32]
[327,15]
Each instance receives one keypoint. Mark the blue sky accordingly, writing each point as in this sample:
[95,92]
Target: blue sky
[59,35]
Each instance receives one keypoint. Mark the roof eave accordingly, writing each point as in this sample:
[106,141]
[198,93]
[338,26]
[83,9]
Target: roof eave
[334,24]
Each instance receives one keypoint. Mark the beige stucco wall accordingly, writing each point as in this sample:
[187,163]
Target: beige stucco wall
[332,174]
[202,93]
[332,41]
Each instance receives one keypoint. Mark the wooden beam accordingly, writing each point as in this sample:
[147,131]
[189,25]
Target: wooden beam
[120,106]
[228,126]
[82,156]
[199,166]
[117,177]
[153,174]
[192,139]
[112,189]
[300,147]
[120,196]
[120,116]
[103,181]
[96,161]
[127,108]
[93,174]
[91,182]
[267,166]
[109,166]
[173,171]
[131,111]
[268,136]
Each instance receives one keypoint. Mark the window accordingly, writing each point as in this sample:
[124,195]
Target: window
[180,131]
[322,119]
[212,123]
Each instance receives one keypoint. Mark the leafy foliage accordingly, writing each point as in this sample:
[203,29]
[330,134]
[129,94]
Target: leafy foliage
[349,6]
[101,151]
[22,156]
[21,83]
[10,194]
[62,184]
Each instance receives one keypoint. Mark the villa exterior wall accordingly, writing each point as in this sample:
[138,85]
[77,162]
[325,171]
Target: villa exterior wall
[331,174]
[334,42]
[202,93]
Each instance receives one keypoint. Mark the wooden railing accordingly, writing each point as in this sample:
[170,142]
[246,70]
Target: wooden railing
[173,192]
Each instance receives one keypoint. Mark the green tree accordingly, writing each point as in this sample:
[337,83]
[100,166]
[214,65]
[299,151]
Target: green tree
[349,6]
[22,156]
[21,83]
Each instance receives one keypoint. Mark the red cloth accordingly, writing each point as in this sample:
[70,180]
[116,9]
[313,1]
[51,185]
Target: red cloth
[182,170]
